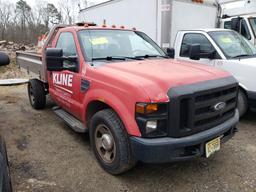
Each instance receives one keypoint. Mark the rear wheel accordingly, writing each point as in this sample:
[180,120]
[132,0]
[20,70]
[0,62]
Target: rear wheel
[242,103]
[36,93]
[110,142]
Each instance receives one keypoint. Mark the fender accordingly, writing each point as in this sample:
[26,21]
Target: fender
[243,87]
[117,105]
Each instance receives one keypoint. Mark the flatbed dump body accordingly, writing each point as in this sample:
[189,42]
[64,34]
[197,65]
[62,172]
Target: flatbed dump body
[31,63]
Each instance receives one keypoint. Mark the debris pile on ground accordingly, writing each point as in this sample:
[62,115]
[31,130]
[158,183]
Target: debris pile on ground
[10,47]
[12,70]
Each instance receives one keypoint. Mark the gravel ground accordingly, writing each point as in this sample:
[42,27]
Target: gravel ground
[46,155]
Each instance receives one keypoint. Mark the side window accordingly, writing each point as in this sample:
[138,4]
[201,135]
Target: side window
[195,38]
[67,43]
[244,30]
[227,25]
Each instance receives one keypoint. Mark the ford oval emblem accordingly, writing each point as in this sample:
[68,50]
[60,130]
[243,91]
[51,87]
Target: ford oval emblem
[219,106]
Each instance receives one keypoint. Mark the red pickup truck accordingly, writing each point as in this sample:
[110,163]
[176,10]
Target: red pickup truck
[136,103]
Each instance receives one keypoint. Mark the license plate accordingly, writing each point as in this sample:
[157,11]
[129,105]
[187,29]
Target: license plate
[212,146]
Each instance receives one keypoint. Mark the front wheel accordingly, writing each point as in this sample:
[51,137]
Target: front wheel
[110,142]
[36,93]
[242,103]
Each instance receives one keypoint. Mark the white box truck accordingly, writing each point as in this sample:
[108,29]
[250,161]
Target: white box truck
[241,19]
[160,19]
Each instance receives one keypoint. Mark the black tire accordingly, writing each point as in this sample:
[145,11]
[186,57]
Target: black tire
[123,159]
[4,59]
[242,103]
[5,171]
[37,94]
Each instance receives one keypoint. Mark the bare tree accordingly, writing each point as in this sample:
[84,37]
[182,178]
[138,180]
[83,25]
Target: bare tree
[6,13]
[23,13]
[21,23]
[69,10]
[51,15]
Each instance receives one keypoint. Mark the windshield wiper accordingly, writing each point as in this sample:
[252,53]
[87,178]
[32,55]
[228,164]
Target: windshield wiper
[110,58]
[242,55]
[151,56]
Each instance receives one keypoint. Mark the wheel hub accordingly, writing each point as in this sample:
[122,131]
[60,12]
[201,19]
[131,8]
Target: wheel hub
[107,142]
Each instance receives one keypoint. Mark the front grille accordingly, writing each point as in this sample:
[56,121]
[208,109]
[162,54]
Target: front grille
[195,108]
[202,116]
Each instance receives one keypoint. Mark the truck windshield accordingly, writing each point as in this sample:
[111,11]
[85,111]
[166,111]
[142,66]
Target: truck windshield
[252,21]
[117,45]
[232,44]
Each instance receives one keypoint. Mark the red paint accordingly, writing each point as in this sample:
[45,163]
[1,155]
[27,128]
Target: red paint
[121,86]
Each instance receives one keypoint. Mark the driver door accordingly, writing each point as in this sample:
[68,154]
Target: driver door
[205,47]
[63,84]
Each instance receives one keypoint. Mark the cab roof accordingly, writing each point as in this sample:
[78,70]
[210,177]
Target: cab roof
[103,27]
[208,30]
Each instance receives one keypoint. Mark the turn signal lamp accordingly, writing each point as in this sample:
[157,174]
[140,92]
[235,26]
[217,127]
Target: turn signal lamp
[144,108]
[198,1]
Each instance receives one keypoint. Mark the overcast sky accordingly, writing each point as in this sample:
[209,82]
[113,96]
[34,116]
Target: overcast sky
[55,2]
[33,2]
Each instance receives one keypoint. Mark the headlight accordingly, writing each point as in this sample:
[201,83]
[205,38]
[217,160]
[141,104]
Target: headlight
[152,119]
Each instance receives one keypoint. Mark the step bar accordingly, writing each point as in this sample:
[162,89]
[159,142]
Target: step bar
[70,120]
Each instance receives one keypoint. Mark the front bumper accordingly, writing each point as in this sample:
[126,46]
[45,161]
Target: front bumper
[252,100]
[162,150]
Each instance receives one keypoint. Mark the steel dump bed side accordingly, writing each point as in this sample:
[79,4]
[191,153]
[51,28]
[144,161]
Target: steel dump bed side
[32,64]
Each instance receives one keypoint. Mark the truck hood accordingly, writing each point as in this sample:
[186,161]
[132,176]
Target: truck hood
[157,76]
[246,61]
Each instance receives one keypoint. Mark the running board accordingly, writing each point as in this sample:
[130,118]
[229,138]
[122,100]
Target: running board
[70,120]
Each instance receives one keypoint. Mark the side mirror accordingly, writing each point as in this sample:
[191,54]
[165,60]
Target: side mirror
[171,52]
[54,59]
[235,24]
[194,52]
[4,59]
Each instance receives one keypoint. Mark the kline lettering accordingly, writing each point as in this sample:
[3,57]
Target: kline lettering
[63,79]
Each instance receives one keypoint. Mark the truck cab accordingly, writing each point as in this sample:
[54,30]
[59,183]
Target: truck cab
[239,16]
[244,24]
[136,103]
[224,49]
